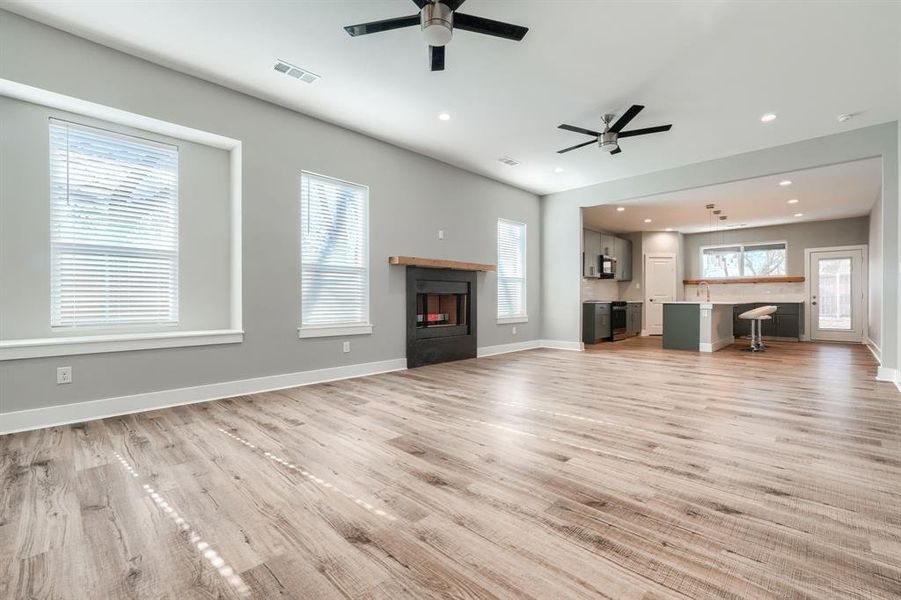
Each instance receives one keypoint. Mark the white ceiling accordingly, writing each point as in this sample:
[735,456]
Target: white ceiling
[710,68]
[834,192]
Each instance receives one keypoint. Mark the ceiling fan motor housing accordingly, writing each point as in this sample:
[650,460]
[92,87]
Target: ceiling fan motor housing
[607,141]
[437,20]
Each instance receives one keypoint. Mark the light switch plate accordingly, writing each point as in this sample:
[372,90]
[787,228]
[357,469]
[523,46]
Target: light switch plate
[346,347]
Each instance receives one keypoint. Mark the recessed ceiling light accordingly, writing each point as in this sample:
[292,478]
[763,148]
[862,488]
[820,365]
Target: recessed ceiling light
[647,220]
[785,182]
[799,214]
[669,228]
[558,170]
[620,208]
[845,117]
[444,116]
[510,162]
[793,201]
[768,117]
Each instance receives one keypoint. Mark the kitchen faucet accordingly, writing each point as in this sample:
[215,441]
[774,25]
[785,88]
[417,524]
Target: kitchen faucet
[707,286]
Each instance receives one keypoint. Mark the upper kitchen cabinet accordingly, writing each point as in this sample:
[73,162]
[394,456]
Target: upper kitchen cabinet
[608,244]
[623,254]
[591,248]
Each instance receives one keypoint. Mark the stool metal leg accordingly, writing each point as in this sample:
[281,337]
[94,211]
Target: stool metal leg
[760,345]
[753,346]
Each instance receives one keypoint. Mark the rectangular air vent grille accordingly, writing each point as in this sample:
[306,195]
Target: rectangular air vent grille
[509,161]
[295,72]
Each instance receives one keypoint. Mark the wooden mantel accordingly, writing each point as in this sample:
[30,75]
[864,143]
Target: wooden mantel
[788,279]
[439,263]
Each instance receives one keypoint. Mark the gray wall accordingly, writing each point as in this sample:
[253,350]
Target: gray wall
[411,197]
[204,228]
[562,220]
[874,279]
[813,234]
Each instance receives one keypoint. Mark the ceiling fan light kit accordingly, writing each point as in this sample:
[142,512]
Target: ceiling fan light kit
[437,21]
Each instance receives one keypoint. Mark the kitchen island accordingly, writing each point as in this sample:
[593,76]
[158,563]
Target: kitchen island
[698,326]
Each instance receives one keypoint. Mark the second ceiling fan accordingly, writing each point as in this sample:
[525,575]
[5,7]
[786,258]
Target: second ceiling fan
[438,19]
[608,140]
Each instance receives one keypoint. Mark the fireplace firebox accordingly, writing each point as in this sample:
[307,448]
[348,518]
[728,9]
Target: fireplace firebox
[441,315]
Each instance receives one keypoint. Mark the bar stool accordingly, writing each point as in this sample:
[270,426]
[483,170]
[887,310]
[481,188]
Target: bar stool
[757,316]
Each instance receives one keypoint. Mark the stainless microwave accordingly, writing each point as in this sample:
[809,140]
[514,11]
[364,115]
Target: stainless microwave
[606,267]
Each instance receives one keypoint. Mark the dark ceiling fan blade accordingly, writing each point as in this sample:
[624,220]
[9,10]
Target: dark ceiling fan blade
[626,117]
[576,146]
[453,4]
[489,27]
[421,3]
[436,56]
[578,130]
[617,151]
[635,132]
[379,26]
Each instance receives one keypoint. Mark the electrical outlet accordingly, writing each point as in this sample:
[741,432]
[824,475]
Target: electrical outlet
[440,234]
[514,330]
[63,375]
[347,346]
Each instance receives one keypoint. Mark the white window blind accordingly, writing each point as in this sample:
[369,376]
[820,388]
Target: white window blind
[511,269]
[334,253]
[113,228]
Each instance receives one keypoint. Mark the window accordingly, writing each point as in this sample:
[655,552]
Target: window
[511,271]
[744,260]
[334,257]
[113,228]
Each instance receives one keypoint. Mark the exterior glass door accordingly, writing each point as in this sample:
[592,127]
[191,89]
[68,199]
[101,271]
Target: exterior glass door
[836,295]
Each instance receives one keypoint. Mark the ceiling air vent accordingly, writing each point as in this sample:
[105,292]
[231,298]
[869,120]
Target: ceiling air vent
[509,161]
[295,72]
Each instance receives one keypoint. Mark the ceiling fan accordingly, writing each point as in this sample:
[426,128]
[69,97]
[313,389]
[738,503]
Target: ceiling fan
[438,19]
[608,140]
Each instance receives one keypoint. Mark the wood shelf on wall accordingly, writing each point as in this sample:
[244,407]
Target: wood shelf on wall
[787,279]
[439,263]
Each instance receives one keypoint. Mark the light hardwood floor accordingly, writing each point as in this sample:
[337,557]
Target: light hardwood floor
[624,472]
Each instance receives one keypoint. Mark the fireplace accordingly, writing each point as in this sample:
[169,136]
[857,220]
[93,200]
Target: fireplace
[441,315]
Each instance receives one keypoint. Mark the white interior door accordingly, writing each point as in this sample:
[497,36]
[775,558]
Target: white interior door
[659,287]
[836,295]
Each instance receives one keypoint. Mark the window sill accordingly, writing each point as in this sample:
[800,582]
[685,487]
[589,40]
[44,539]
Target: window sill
[95,344]
[315,332]
[509,320]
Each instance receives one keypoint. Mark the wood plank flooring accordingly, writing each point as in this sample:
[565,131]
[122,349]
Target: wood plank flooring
[624,472]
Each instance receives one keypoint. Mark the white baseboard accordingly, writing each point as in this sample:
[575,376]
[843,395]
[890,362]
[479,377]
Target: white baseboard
[713,347]
[505,348]
[562,345]
[91,410]
[886,374]
[874,348]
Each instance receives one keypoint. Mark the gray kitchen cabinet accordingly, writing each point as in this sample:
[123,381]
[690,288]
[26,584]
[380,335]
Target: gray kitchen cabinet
[591,248]
[623,255]
[786,322]
[595,322]
[633,318]
[608,244]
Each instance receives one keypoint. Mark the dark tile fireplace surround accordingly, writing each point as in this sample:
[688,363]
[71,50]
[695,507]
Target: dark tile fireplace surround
[441,315]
